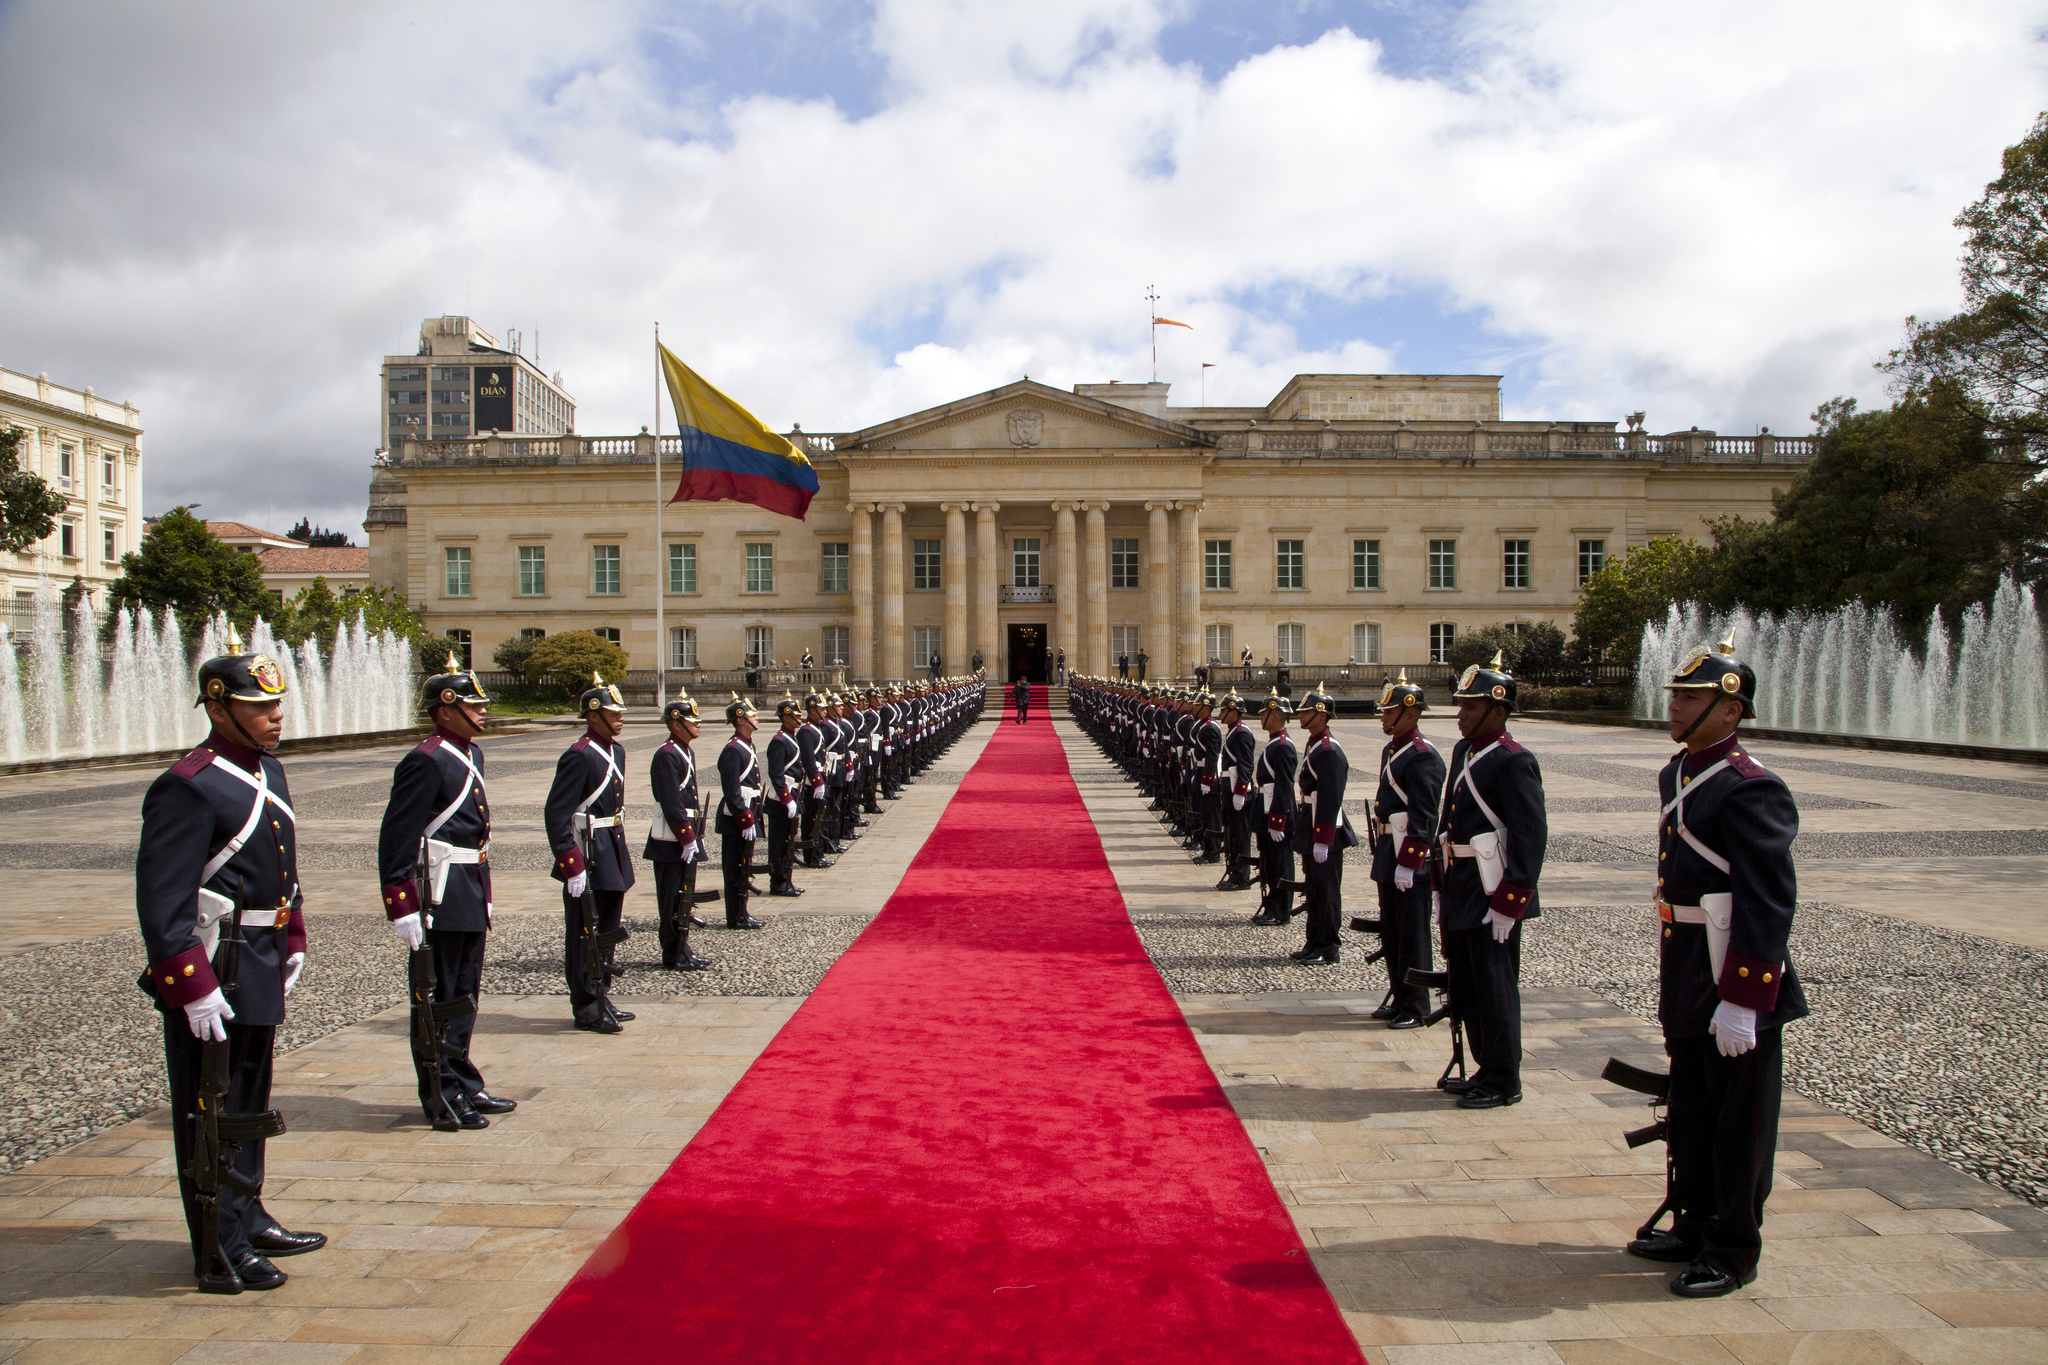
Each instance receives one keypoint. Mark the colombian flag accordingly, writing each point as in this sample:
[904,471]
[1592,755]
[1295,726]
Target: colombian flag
[728,454]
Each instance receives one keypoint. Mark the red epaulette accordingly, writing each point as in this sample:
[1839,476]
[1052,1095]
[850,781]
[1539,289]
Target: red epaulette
[1509,743]
[194,763]
[430,743]
[582,742]
[1747,766]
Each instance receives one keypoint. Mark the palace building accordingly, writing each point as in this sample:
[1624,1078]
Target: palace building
[89,451]
[1365,518]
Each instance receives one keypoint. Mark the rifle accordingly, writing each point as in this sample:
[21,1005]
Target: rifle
[217,1136]
[1361,925]
[1441,981]
[1658,1087]
[430,1017]
[597,947]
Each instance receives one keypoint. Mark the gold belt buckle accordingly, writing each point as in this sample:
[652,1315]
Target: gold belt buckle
[1664,911]
[284,916]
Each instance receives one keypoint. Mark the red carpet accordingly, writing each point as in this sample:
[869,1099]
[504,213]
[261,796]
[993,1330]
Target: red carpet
[987,1136]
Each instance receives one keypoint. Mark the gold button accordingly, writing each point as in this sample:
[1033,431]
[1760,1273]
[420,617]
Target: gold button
[1662,856]
[188,969]
[1742,971]
[1667,932]
[169,980]
[1767,976]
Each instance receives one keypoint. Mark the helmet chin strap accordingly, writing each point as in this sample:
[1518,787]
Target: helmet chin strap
[1699,720]
[229,707]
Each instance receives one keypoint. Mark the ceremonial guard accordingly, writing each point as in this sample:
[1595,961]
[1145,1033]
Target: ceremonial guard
[1274,775]
[1240,756]
[1020,693]
[585,822]
[1208,774]
[1491,837]
[433,859]
[1726,985]
[739,788]
[785,786]
[1404,812]
[849,767]
[1326,829]
[675,837]
[217,897]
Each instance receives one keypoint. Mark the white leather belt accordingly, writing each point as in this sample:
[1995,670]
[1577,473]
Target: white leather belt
[602,821]
[1462,851]
[1681,914]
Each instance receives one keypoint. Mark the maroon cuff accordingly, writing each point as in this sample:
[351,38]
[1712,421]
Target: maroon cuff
[182,979]
[1414,853]
[1276,822]
[400,899]
[568,863]
[295,934]
[747,818]
[1510,900]
[1326,834]
[1748,982]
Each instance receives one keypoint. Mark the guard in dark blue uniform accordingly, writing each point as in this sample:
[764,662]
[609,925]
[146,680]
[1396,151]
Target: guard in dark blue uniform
[1325,830]
[1492,835]
[1274,776]
[739,818]
[1208,778]
[675,837]
[1020,693]
[1404,812]
[1726,890]
[588,801]
[216,877]
[433,858]
[785,787]
[1235,796]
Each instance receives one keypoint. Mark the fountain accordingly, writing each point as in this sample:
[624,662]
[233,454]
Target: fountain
[75,688]
[1850,672]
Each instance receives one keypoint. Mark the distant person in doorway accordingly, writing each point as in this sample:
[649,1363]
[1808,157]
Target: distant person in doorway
[1061,665]
[1144,660]
[1021,694]
[1123,667]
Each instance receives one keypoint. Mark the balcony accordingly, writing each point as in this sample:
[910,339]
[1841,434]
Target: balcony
[1022,597]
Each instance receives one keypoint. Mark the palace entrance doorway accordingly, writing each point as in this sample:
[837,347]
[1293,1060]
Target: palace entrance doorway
[1027,652]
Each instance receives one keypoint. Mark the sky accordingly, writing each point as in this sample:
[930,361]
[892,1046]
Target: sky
[843,211]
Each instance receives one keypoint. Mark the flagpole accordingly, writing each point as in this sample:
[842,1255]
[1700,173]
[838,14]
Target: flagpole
[660,550]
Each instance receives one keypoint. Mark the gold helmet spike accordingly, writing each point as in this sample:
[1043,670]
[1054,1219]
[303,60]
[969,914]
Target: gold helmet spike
[453,666]
[596,678]
[1404,676]
[234,639]
[1496,664]
[1727,645]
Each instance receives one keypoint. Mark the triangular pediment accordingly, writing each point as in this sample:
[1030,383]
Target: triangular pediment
[1023,417]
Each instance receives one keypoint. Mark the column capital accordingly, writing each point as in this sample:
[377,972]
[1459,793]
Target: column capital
[1063,505]
[897,507]
[1160,506]
[950,507]
[989,507]
[1099,505]
[1188,505]
[858,507]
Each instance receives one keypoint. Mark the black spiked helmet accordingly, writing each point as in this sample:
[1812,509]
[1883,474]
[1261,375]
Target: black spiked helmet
[1716,669]
[1402,693]
[600,696]
[1275,702]
[1316,701]
[1232,702]
[1491,683]
[235,676]
[453,684]
[737,707]
[682,708]
[787,707]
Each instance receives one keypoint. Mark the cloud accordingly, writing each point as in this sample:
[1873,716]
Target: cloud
[845,214]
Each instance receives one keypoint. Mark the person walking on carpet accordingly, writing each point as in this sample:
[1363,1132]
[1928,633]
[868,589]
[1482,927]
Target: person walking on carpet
[1021,694]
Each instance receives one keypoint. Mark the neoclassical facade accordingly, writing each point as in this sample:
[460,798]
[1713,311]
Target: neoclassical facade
[90,452]
[1355,517]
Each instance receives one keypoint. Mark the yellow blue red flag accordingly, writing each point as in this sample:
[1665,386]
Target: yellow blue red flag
[728,455]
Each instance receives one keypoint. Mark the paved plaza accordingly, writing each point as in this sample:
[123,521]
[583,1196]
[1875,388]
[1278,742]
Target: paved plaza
[1444,1235]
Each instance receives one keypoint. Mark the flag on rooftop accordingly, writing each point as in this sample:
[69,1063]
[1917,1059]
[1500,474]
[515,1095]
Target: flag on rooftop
[728,455]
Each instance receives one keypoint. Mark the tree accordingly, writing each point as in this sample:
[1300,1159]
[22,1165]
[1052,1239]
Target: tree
[575,654]
[181,565]
[1527,651]
[318,535]
[28,507]
[1638,588]
[511,654]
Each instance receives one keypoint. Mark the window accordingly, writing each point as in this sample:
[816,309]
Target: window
[835,646]
[109,466]
[1289,567]
[1024,562]
[1442,635]
[1443,565]
[924,565]
[682,646]
[451,397]
[408,398]
[760,567]
[455,564]
[760,646]
[446,374]
[1123,563]
[1365,643]
[408,423]
[532,633]
[1291,644]
[67,455]
[110,541]
[1216,567]
[604,569]
[451,419]
[458,645]
[606,633]
[1514,563]
[533,570]
[67,540]
[835,566]
[1123,642]
[925,642]
[1216,642]
[1365,564]
[1592,559]
[682,568]
[401,374]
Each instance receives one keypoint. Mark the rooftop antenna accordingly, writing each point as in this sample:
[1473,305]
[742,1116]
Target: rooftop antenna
[1152,314]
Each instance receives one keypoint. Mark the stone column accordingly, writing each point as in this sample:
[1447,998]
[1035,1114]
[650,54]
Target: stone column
[861,568]
[1190,612]
[1157,638]
[1066,634]
[986,576]
[892,589]
[1095,630]
[956,648]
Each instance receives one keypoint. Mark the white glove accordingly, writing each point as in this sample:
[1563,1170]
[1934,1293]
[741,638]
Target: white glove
[208,1015]
[293,965]
[690,851]
[1404,877]
[748,833]
[1501,925]
[1237,800]
[789,807]
[1322,853]
[409,931]
[1278,836]
[576,885]
[1733,1027]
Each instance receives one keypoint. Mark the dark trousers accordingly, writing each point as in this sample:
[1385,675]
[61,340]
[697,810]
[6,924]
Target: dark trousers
[675,898]
[733,853]
[1404,931]
[782,830]
[1237,830]
[1276,864]
[241,1217]
[1486,983]
[458,972]
[1325,887]
[1023,710]
[807,828]
[1724,1139]
[1213,803]
[610,905]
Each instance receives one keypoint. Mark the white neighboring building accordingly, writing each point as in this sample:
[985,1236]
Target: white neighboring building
[90,451]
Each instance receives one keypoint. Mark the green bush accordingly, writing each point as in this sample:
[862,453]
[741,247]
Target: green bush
[576,654]
[1574,699]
